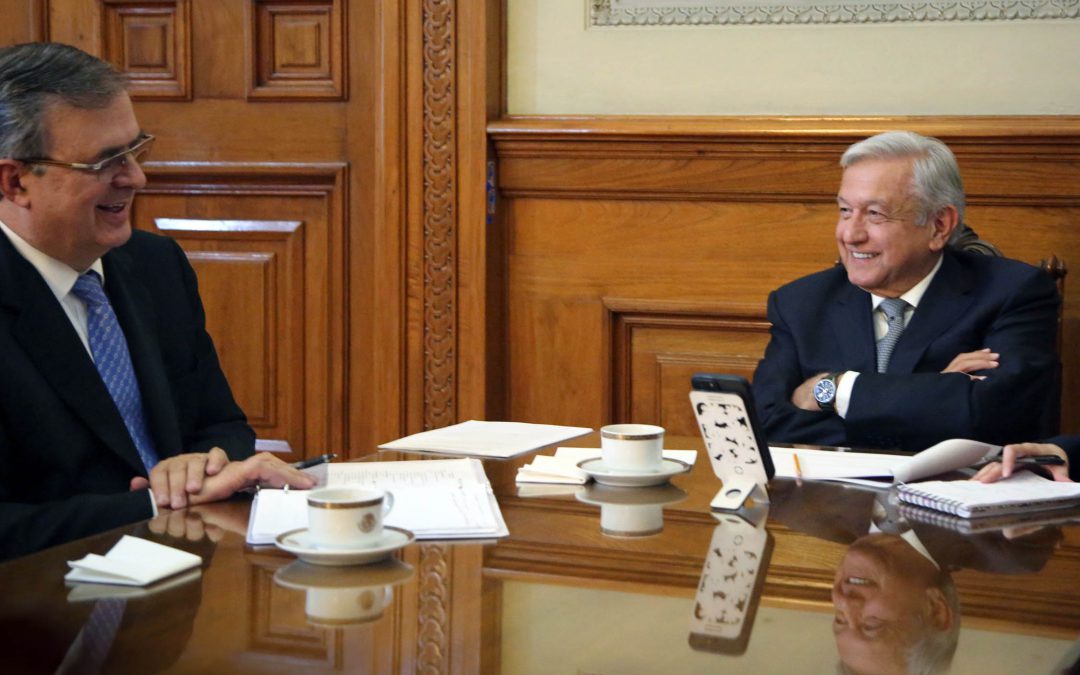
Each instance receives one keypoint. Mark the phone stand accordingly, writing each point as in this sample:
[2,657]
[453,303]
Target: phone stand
[736,490]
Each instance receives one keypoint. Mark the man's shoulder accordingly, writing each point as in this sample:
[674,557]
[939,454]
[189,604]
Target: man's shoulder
[996,275]
[825,281]
[143,241]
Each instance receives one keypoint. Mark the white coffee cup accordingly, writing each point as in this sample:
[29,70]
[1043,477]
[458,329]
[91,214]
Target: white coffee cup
[636,448]
[331,606]
[631,520]
[351,594]
[347,518]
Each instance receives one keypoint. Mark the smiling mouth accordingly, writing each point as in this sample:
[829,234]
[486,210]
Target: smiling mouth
[113,208]
[858,581]
[861,256]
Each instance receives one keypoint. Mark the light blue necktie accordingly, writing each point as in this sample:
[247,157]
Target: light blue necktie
[113,361]
[894,314]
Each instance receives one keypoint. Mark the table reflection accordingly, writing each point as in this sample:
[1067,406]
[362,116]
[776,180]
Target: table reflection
[732,577]
[897,610]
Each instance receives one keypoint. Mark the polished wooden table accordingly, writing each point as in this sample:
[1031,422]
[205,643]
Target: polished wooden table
[561,595]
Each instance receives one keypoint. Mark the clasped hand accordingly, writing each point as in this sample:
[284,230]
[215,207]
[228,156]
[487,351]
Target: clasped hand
[199,478]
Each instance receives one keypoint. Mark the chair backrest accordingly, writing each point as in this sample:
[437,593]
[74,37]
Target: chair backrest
[1057,269]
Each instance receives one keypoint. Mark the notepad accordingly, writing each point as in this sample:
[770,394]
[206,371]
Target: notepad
[1019,493]
[434,499]
[486,439]
[843,465]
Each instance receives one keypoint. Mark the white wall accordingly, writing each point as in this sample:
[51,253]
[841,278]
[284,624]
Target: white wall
[556,65]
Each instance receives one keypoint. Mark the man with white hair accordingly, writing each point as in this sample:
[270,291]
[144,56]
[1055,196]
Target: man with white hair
[908,342]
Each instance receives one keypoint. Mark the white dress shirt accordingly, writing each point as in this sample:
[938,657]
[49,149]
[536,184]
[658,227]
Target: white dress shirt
[881,327]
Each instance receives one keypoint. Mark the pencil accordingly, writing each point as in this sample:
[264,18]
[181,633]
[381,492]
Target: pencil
[798,470]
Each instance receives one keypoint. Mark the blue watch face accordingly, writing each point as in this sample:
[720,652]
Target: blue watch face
[824,391]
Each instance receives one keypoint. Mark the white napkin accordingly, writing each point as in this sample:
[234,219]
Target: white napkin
[562,467]
[132,562]
[547,469]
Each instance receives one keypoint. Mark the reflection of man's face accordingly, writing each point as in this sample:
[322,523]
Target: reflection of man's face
[885,600]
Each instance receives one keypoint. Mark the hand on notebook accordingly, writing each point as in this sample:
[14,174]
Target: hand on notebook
[262,469]
[1011,453]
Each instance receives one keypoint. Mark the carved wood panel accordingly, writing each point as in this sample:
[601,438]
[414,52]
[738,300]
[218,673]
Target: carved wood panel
[270,288]
[656,351]
[150,43]
[297,50]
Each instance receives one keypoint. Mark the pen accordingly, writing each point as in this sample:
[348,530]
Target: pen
[315,461]
[1029,460]
[798,469]
[1041,460]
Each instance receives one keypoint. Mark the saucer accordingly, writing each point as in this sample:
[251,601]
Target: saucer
[601,495]
[601,474]
[303,576]
[298,542]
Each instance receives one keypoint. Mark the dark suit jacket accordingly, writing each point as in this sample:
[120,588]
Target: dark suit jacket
[1071,445]
[67,458]
[822,323]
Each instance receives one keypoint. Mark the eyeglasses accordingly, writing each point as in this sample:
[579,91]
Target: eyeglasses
[108,167]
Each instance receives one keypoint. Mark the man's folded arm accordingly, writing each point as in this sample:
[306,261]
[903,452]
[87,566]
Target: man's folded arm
[916,410]
[776,377]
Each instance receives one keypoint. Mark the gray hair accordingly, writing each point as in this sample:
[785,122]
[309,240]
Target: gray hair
[35,76]
[935,181]
[933,652]
[933,649]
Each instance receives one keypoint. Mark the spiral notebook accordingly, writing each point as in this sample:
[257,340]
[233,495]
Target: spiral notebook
[1020,493]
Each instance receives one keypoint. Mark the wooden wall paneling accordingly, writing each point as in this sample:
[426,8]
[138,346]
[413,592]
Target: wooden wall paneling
[377,241]
[297,49]
[657,347]
[76,22]
[433,215]
[273,289]
[24,21]
[713,213]
[279,626]
[150,43]
[481,288]
[453,89]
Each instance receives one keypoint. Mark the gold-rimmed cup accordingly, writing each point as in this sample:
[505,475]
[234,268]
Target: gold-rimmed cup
[347,518]
[633,448]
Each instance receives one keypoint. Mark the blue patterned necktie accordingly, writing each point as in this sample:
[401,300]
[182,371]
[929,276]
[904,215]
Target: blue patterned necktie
[113,361]
[894,314]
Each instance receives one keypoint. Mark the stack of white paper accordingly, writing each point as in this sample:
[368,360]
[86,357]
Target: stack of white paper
[132,562]
[442,499]
[562,467]
[486,439]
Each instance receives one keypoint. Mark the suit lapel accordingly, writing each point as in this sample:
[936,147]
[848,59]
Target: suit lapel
[853,329]
[947,297]
[135,310]
[44,331]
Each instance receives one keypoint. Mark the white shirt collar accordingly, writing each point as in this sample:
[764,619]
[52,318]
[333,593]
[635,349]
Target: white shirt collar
[59,276]
[914,295]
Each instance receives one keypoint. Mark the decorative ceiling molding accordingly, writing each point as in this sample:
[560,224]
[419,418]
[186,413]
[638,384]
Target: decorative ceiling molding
[626,13]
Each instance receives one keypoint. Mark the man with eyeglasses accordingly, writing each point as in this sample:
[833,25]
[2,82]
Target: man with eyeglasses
[112,400]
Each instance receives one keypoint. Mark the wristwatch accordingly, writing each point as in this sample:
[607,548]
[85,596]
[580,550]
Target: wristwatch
[825,391]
